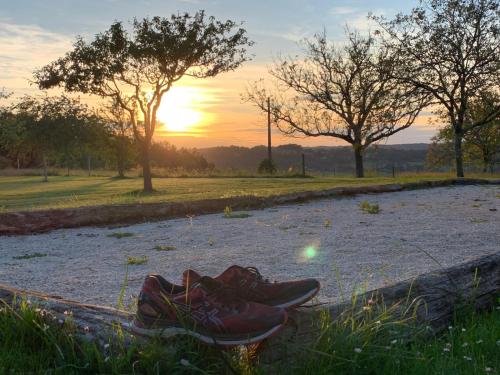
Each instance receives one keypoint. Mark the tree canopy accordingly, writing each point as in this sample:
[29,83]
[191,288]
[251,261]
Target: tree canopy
[451,50]
[137,68]
[346,92]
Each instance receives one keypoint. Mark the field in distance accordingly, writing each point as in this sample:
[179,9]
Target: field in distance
[19,193]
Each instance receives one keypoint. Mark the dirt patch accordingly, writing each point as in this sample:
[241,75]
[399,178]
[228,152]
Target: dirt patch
[28,222]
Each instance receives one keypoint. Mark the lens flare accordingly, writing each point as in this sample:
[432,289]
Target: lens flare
[310,252]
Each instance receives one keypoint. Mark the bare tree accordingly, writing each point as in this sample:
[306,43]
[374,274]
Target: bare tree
[137,70]
[343,92]
[450,49]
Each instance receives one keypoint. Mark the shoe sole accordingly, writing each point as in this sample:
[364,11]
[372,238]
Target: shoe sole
[300,300]
[168,332]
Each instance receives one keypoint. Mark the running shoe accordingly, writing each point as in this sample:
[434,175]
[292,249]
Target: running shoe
[253,287]
[207,310]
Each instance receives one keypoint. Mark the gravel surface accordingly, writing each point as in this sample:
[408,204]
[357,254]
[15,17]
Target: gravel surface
[332,240]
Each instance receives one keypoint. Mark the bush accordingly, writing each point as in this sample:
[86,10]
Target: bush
[267,166]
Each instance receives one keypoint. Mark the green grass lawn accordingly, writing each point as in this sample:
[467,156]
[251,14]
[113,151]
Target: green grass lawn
[30,193]
[31,342]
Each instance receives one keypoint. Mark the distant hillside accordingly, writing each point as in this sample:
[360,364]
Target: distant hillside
[406,157]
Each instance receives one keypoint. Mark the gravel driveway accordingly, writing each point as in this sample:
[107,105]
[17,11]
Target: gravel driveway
[331,239]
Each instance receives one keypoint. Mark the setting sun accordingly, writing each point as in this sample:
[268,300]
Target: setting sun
[179,111]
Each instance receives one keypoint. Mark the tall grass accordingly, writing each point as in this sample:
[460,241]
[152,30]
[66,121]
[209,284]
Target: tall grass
[366,339]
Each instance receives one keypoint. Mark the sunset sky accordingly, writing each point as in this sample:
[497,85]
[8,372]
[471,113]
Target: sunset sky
[205,112]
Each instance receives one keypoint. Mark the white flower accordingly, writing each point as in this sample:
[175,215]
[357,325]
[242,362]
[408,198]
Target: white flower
[450,328]
[106,346]
[465,344]
[479,341]
[185,362]
[378,322]
[446,349]
[358,350]
[106,359]
[394,342]
[463,329]
[60,321]
[467,358]
[448,345]
[488,369]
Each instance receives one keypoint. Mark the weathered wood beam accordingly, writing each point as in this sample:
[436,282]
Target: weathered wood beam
[436,295]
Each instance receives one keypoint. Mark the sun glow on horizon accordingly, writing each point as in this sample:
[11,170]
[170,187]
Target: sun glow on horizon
[179,110]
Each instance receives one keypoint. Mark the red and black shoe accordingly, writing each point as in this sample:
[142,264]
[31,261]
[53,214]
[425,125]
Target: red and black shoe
[207,310]
[253,287]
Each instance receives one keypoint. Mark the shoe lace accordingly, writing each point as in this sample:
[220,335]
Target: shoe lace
[257,275]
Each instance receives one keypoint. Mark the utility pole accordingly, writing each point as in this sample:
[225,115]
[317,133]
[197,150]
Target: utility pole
[269,151]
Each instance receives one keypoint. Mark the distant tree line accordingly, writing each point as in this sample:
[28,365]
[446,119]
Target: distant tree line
[288,158]
[60,131]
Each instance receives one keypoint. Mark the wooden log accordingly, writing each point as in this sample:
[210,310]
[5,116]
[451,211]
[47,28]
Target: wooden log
[434,295]
[27,222]
[92,323]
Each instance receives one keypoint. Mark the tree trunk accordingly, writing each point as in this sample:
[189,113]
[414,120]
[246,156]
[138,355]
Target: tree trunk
[45,178]
[146,168]
[89,165]
[269,148]
[121,158]
[459,159]
[358,157]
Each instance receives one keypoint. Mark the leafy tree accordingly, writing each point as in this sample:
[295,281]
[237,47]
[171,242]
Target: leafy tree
[344,92]
[55,128]
[481,145]
[451,50]
[119,127]
[137,69]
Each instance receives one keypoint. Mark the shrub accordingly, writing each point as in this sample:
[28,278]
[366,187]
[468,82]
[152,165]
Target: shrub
[267,166]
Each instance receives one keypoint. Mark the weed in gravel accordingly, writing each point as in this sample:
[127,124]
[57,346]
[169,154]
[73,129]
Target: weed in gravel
[478,221]
[327,223]
[164,248]
[228,214]
[30,256]
[120,235]
[287,227]
[137,261]
[368,208]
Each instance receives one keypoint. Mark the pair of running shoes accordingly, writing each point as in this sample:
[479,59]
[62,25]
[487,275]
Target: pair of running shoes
[238,307]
